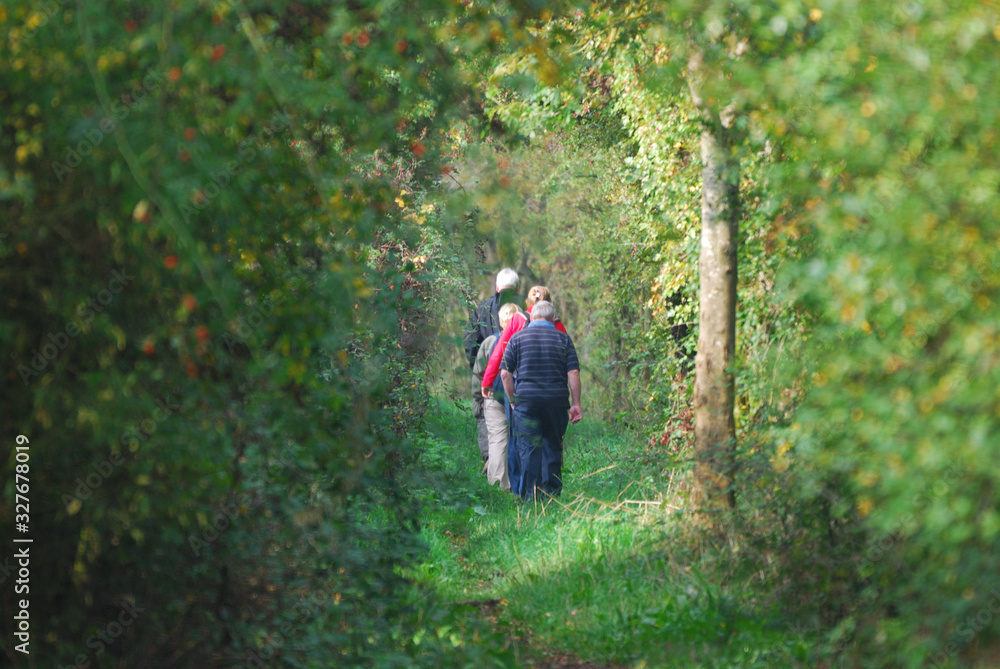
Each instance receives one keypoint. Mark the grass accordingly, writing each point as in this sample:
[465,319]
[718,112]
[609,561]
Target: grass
[593,574]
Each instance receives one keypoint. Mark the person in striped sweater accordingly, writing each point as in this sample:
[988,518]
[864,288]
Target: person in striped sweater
[541,378]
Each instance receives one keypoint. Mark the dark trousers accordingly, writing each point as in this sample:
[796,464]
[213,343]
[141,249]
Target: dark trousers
[538,432]
[482,438]
[513,467]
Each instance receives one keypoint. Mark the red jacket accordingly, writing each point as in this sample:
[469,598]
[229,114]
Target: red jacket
[517,323]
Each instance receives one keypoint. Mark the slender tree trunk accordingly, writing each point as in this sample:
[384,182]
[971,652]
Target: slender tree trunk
[714,387]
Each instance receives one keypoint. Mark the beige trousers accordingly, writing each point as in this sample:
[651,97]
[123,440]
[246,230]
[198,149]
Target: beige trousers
[496,428]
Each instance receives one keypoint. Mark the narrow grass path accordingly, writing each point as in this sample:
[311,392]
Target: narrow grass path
[594,579]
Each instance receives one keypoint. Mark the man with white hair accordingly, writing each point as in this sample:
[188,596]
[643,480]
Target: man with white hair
[485,321]
[539,364]
[486,317]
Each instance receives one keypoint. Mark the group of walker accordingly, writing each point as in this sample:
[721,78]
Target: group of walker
[525,388]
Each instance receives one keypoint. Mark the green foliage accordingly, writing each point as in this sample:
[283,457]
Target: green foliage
[214,344]
[231,233]
[900,394]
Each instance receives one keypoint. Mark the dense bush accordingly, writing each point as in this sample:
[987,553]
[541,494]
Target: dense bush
[898,376]
[213,340]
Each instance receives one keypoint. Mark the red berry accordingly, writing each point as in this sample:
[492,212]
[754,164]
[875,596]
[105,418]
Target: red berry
[170,262]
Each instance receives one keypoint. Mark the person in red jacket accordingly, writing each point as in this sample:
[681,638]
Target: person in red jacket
[538,294]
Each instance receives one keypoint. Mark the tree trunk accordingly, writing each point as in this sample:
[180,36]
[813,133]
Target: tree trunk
[714,387]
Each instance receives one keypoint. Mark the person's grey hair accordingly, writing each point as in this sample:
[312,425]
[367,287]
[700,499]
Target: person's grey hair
[506,278]
[543,311]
